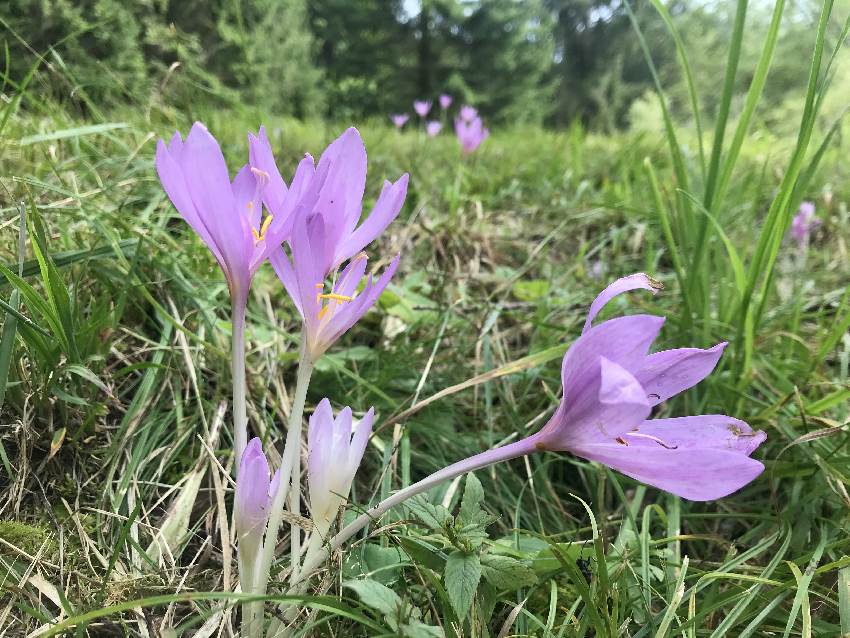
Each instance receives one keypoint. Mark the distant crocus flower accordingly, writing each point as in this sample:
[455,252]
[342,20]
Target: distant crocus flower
[445,101]
[470,134]
[334,452]
[468,113]
[422,107]
[254,493]
[399,119]
[804,222]
[326,235]
[433,128]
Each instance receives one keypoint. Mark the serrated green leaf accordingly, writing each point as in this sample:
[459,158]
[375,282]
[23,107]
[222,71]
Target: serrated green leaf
[473,495]
[433,516]
[375,595]
[463,571]
[504,572]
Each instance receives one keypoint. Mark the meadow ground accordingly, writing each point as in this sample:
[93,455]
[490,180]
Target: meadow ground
[118,381]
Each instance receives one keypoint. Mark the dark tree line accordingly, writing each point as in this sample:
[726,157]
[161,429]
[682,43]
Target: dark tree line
[551,61]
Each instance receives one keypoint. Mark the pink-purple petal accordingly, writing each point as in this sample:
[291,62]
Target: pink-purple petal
[697,474]
[667,373]
[703,431]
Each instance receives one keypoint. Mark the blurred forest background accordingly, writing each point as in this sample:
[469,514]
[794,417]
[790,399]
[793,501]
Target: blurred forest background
[548,62]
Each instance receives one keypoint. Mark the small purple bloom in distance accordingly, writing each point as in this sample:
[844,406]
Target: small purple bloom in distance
[433,128]
[804,222]
[611,384]
[326,234]
[422,107]
[399,119]
[470,133]
[227,215]
[468,113]
[445,101]
[334,450]
[254,493]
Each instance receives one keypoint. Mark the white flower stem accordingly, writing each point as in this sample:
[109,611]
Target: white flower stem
[292,452]
[290,471]
[237,373]
[476,462]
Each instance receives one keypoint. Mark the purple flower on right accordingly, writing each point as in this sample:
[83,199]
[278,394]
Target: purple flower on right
[611,384]
[804,222]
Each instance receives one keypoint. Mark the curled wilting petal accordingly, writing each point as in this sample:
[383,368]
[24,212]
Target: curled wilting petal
[334,452]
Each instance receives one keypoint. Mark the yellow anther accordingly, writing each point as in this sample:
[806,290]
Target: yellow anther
[338,298]
[260,236]
[323,311]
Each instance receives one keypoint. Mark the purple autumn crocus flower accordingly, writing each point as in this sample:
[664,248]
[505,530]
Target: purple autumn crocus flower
[433,128]
[804,222]
[468,113]
[334,452]
[611,384]
[470,133]
[422,107]
[254,493]
[228,216]
[399,119]
[326,235]
[445,101]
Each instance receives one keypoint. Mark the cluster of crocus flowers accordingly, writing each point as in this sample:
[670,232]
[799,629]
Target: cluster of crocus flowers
[804,223]
[312,233]
[470,129]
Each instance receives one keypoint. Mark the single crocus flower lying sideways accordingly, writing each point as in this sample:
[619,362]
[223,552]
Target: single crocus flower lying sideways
[610,384]
[804,222]
[468,113]
[433,128]
[445,101]
[333,454]
[399,119]
[422,107]
[470,133]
